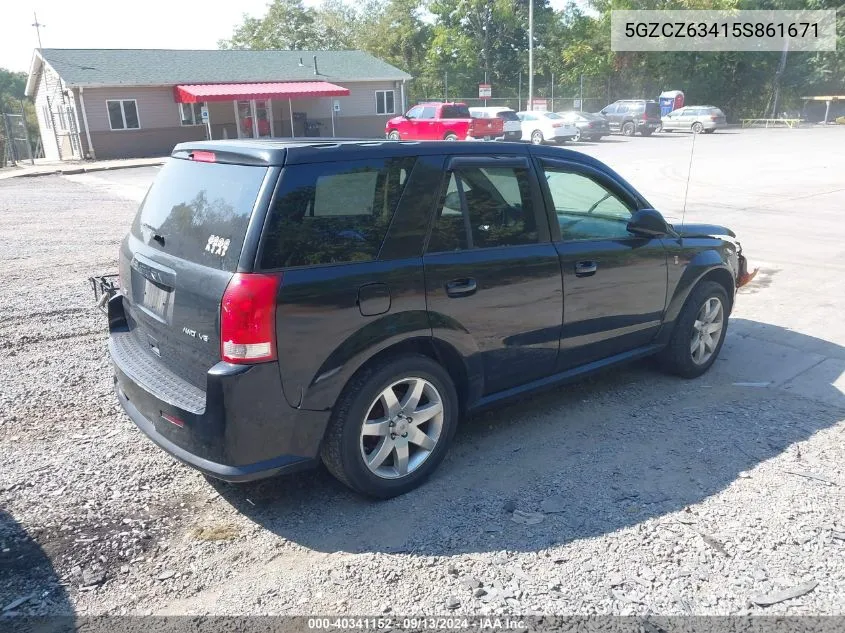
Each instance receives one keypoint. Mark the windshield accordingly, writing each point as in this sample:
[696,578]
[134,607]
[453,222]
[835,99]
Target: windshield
[552,115]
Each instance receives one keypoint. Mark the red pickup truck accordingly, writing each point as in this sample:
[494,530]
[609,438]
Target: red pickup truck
[442,121]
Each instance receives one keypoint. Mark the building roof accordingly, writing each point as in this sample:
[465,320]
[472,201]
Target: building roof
[157,67]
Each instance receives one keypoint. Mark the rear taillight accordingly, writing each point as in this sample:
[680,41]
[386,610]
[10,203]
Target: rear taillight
[557,124]
[248,318]
[714,118]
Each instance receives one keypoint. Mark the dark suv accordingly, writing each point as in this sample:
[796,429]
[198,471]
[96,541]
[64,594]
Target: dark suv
[281,302]
[629,116]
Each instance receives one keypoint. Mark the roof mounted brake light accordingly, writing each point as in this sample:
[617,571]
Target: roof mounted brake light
[203,157]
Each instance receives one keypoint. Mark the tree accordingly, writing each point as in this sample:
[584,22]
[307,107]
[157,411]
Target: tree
[288,25]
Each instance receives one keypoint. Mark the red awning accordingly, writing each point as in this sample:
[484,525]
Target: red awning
[284,90]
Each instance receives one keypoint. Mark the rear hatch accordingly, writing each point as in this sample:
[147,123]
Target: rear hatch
[180,254]
[510,121]
[652,112]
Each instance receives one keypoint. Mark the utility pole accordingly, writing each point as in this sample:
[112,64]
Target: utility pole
[531,54]
[37,26]
[581,95]
[485,81]
[446,85]
[553,92]
[519,98]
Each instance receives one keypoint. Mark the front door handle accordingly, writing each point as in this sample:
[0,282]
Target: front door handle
[585,269]
[461,287]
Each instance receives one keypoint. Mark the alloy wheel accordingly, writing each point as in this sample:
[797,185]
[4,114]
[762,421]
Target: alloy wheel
[697,128]
[537,137]
[707,330]
[401,428]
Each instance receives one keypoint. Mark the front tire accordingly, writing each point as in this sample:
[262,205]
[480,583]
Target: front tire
[577,137]
[393,136]
[537,137]
[391,426]
[699,332]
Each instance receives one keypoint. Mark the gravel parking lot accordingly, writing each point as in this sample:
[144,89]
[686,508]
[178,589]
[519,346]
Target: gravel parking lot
[630,493]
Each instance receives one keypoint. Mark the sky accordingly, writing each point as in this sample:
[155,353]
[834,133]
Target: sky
[106,24]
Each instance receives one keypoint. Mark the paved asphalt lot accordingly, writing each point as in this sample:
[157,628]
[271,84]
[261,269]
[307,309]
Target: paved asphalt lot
[656,495]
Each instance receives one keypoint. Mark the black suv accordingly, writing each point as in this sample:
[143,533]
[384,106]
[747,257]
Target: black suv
[285,302]
[630,116]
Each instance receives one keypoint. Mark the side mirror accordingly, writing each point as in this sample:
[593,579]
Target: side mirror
[648,223]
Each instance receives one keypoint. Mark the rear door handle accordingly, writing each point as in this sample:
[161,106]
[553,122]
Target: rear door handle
[461,287]
[585,269]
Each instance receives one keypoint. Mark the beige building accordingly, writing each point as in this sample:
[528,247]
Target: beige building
[116,103]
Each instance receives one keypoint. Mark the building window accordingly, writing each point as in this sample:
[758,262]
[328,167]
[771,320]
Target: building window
[385,103]
[191,113]
[48,120]
[123,114]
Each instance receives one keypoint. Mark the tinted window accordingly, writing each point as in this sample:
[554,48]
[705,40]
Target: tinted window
[508,115]
[652,109]
[586,209]
[200,210]
[455,112]
[498,210]
[330,213]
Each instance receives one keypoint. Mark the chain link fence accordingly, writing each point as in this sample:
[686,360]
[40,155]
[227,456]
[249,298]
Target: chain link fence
[15,145]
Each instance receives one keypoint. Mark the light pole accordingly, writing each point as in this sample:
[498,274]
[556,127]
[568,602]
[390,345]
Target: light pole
[530,54]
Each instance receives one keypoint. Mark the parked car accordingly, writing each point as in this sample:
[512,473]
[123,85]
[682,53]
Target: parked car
[442,121]
[590,126]
[282,303]
[545,127]
[697,119]
[512,127]
[632,116]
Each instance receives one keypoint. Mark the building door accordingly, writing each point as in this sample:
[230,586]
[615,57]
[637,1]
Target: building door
[254,118]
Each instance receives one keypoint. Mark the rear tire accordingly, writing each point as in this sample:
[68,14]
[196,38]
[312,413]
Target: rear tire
[697,128]
[577,136]
[450,136]
[679,357]
[347,447]
[628,129]
[537,137]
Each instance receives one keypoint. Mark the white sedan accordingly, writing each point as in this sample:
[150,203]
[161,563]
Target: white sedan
[545,127]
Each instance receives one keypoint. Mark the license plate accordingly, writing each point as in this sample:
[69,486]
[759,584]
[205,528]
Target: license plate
[156,298]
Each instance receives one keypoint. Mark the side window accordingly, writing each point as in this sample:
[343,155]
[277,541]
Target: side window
[585,209]
[428,112]
[332,213]
[498,211]
[622,108]
[414,113]
[611,109]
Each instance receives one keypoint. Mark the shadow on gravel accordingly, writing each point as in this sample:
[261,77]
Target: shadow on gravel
[29,585]
[607,453]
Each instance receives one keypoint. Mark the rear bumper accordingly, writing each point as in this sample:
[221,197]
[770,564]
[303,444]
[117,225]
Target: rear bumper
[239,429]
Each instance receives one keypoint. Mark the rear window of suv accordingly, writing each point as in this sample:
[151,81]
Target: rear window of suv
[652,109]
[508,115]
[199,211]
[333,213]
